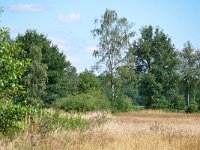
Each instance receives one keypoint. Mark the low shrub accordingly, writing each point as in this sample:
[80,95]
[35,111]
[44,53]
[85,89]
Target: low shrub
[177,103]
[49,122]
[92,101]
[18,118]
[122,105]
[138,108]
[13,117]
[193,107]
[160,104]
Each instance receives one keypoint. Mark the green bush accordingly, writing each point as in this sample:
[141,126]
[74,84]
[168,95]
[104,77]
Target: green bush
[92,101]
[160,104]
[177,102]
[49,122]
[15,118]
[193,107]
[138,108]
[122,105]
[12,117]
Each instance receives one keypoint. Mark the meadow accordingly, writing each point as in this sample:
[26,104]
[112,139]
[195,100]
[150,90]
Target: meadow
[144,130]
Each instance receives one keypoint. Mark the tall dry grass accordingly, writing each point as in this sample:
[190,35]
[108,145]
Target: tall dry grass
[127,131]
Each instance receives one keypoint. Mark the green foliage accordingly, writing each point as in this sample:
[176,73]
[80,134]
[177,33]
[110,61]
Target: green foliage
[88,82]
[72,80]
[160,104]
[146,73]
[132,92]
[92,101]
[189,71]
[177,102]
[36,76]
[12,66]
[122,105]
[156,63]
[70,123]
[48,56]
[105,85]
[149,88]
[12,118]
[50,122]
[138,108]
[193,107]
[129,84]
[30,102]
[18,118]
[57,76]
[113,35]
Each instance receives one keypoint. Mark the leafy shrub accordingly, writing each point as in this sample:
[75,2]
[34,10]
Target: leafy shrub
[87,82]
[177,102]
[138,108]
[122,105]
[9,118]
[12,118]
[15,118]
[49,122]
[92,101]
[193,107]
[160,104]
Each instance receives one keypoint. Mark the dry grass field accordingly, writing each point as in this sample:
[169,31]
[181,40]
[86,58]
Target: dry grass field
[147,130]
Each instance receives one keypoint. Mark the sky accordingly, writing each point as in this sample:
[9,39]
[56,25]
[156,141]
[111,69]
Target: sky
[68,23]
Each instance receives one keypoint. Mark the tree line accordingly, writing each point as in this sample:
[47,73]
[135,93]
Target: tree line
[146,71]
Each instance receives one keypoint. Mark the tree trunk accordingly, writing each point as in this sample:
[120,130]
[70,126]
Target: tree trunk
[188,93]
[113,92]
[112,87]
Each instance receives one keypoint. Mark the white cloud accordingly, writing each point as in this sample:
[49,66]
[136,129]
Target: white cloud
[62,45]
[10,29]
[26,7]
[74,17]
[90,49]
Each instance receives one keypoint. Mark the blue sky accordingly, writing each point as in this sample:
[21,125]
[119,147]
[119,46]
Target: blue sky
[68,22]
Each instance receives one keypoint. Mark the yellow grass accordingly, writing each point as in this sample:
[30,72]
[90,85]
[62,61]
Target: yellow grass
[127,131]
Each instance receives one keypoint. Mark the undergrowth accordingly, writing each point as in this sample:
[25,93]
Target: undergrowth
[15,119]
